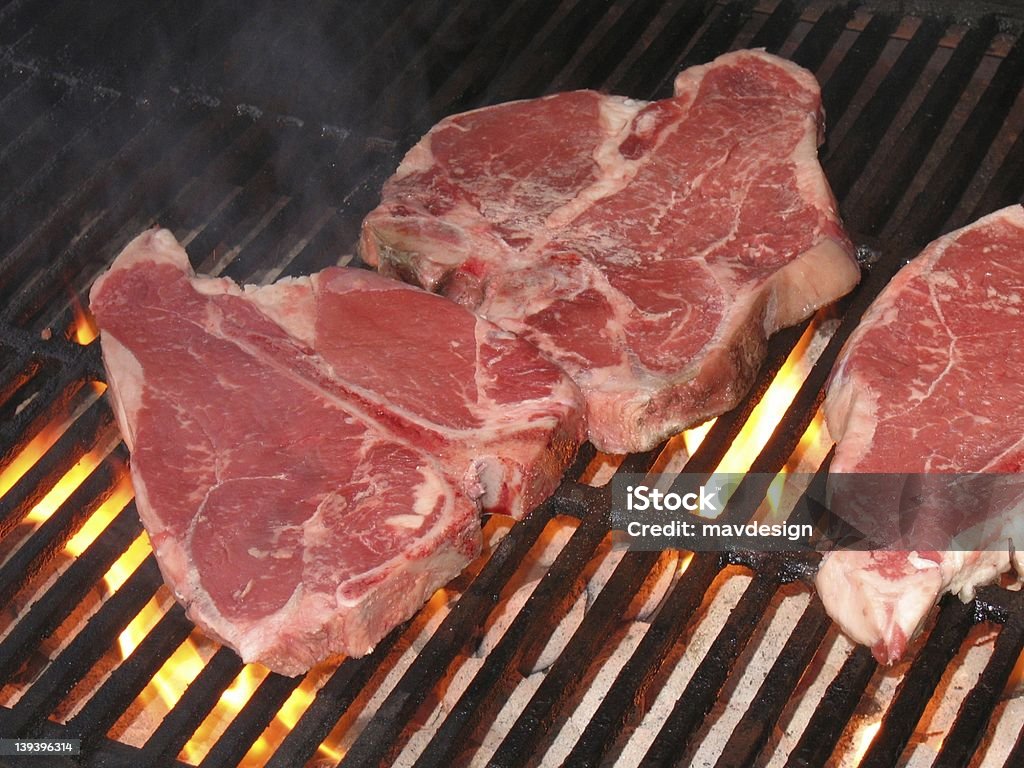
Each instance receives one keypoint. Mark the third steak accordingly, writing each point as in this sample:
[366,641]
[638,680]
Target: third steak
[649,248]
[931,386]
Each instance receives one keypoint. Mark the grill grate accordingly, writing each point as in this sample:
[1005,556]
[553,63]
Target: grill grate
[263,165]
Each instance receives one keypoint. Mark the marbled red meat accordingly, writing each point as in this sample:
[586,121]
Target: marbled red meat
[932,384]
[310,458]
[647,248]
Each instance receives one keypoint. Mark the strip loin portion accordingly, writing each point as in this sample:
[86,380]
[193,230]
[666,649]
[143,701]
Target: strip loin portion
[648,248]
[932,382]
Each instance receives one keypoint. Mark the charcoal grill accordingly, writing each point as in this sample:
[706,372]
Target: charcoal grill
[261,139]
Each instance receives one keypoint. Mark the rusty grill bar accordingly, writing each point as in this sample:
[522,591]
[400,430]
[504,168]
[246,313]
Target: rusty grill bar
[113,117]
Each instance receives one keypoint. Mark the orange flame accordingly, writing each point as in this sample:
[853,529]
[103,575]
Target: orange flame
[862,741]
[99,519]
[769,411]
[692,438]
[28,457]
[64,487]
[1016,678]
[84,329]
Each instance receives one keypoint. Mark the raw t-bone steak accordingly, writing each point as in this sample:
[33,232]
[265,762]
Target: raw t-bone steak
[647,248]
[310,457]
[932,382]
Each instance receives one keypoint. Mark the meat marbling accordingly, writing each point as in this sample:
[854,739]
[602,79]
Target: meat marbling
[932,381]
[310,457]
[647,248]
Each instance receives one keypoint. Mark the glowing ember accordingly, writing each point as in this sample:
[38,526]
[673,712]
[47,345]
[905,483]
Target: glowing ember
[99,519]
[126,564]
[84,329]
[862,740]
[1016,680]
[64,487]
[29,455]
[42,442]
[179,671]
[685,558]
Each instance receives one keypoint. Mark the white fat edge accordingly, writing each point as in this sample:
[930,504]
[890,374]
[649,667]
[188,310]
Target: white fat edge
[810,176]
[974,569]
[851,413]
[407,522]
[154,246]
[290,304]
[819,276]
[866,604]
[125,385]
[971,567]
[418,159]
[921,563]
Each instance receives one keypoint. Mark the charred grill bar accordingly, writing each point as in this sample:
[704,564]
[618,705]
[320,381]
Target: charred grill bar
[113,117]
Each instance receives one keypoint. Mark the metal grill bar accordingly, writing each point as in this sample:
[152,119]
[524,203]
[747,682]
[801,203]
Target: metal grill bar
[56,605]
[85,650]
[126,682]
[1007,185]
[192,708]
[753,731]
[916,688]
[639,74]
[777,27]
[45,544]
[671,747]
[42,407]
[834,711]
[564,677]
[80,438]
[622,703]
[902,160]
[822,37]
[942,193]
[837,93]
[606,44]
[332,700]
[716,37]
[959,744]
[256,715]
[385,735]
[844,165]
[155,179]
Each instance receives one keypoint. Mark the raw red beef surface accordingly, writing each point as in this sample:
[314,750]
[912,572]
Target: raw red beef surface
[310,457]
[647,248]
[932,383]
